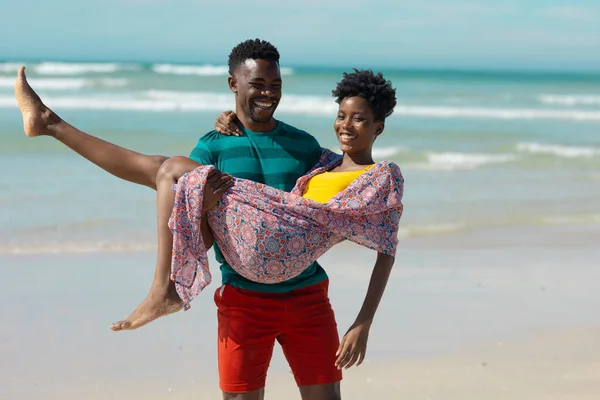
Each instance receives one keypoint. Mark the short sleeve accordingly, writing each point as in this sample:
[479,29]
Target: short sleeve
[202,154]
[314,154]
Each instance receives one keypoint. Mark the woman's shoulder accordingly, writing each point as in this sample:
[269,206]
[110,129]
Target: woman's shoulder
[328,160]
[387,167]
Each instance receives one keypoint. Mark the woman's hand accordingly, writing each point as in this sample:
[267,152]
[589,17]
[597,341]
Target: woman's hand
[353,347]
[226,125]
[217,183]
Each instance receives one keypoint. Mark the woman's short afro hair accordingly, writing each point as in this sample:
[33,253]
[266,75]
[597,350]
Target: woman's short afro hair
[372,87]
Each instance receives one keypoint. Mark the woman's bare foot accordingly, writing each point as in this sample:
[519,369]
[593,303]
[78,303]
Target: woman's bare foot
[157,304]
[37,118]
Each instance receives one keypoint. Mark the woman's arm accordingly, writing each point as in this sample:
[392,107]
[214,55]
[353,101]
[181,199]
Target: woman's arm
[377,284]
[353,347]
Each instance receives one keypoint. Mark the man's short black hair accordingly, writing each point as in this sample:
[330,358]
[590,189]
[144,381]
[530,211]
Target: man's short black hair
[378,92]
[252,50]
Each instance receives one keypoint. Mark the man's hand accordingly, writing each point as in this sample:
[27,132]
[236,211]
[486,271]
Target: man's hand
[216,184]
[226,124]
[353,347]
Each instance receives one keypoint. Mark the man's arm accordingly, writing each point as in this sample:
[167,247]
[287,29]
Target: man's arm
[38,120]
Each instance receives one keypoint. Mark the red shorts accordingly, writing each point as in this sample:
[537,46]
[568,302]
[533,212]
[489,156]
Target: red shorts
[302,321]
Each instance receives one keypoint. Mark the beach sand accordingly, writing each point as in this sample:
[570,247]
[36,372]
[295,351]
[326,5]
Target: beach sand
[494,315]
[554,366]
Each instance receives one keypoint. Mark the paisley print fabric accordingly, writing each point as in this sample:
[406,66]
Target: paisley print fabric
[269,236]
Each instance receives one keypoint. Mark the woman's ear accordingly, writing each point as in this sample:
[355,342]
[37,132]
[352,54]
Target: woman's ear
[380,128]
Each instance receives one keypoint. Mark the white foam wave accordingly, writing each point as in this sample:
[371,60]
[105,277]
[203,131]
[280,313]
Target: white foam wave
[381,153]
[557,150]
[48,83]
[158,100]
[452,161]
[407,231]
[207,70]
[111,82]
[75,247]
[496,113]
[60,68]
[10,67]
[66,83]
[570,100]
[202,70]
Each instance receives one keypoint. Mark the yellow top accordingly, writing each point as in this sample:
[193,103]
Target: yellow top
[321,188]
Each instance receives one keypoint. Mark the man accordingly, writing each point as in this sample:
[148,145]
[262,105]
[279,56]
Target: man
[251,316]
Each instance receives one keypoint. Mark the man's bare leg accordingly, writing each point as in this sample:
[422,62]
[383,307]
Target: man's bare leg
[330,391]
[40,120]
[163,298]
[258,394]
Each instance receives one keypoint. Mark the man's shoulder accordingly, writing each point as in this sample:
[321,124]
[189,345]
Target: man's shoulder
[213,141]
[205,148]
[211,137]
[295,132]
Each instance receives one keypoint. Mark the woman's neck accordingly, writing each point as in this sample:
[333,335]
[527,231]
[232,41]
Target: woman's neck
[356,160]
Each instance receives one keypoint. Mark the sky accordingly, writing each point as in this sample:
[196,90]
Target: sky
[484,34]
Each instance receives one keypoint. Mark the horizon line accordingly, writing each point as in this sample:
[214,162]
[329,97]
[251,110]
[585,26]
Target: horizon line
[408,67]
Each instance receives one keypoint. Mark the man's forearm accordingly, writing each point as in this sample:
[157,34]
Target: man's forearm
[116,160]
[377,284]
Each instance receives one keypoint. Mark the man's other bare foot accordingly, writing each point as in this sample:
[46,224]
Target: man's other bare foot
[37,118]
[157,304]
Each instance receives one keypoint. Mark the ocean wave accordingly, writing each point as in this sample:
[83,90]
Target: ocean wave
[66,83]
[570,100]
[75,247]
[407,231]
[159,100]
[557,150]
[381,153]
[65,68]
[202,70]
[449,161]
[10,67]
[60,68]
[496,113]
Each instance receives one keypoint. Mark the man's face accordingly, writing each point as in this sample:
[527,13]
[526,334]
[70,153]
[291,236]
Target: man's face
[257,84]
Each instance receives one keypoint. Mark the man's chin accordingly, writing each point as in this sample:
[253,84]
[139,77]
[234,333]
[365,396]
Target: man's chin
[261,119]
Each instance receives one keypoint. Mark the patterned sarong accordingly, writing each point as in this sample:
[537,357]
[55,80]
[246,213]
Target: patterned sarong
[269,236]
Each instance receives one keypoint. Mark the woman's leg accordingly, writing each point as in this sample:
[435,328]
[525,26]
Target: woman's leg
[162,298]
[39,120]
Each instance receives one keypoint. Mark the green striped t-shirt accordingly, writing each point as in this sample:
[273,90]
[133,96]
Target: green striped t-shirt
[276,158]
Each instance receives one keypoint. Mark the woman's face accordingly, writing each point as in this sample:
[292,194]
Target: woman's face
[355,126]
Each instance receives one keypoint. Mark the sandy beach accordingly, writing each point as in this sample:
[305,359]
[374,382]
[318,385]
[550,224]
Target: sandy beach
[554,366]
[474,319]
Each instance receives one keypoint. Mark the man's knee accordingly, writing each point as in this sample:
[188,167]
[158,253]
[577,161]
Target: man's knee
[329,391]
[254,395]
